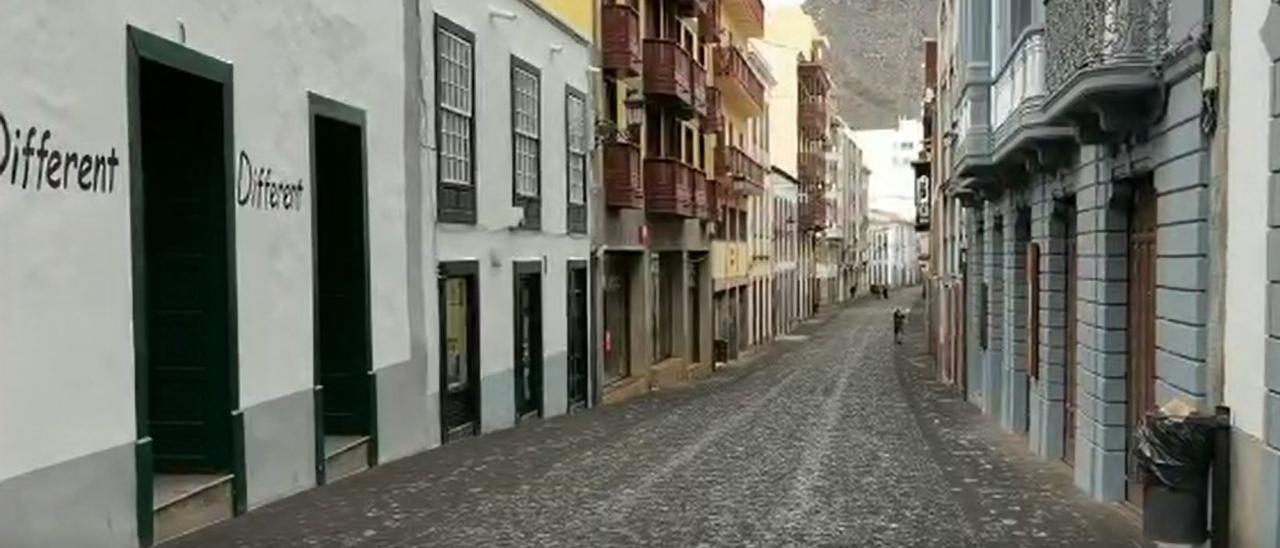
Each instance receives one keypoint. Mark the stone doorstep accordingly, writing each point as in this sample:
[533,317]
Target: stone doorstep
[345,456]
[699,370]
[625,389]
[187,502]
[667,374]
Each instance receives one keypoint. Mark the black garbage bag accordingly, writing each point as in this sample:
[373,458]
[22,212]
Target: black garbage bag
[1173,457]
[1174,451]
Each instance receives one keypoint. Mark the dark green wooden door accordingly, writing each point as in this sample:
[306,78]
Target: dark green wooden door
[343,349]
[578,336]
[459,350]
[187,275]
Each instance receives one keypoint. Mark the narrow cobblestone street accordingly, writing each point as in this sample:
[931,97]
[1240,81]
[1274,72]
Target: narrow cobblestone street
[833,437]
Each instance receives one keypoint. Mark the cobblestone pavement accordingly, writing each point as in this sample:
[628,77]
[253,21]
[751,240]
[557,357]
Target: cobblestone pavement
[833,438]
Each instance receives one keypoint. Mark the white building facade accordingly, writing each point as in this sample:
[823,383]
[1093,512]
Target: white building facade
[784,193]
[895,250]
[888,153]
[511,207]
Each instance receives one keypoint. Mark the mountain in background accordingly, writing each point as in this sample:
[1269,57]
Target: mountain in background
[877,56]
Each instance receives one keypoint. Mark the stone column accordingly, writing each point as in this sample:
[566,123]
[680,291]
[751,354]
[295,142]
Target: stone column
[1051,229]
[1102,220]
[1271,39]
[994,274]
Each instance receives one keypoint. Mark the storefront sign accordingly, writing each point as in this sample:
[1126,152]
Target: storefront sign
[922,196]
[31,162]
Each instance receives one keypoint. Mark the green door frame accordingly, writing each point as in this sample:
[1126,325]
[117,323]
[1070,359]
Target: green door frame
[144,46]
[471,271]
[321,106]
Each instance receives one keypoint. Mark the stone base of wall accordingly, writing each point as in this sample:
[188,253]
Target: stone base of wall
[86,501]
[1255,486]
[669,373]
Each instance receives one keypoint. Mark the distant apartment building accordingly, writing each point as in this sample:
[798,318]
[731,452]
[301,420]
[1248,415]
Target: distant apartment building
[895,251]
[800,112]
[784,193]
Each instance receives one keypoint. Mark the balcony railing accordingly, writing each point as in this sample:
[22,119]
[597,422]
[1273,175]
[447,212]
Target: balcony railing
[668,186]
[623,186]
[666,70]
[1085,35]
[698,81]
[1020,80]
[736,79]
[739,170]
[621,49]
[748,14]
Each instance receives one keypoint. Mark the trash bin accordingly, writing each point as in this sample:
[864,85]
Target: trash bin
[1174,454]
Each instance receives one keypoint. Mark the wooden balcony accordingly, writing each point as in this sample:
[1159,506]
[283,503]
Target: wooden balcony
[701,195]
[815,116]
[748,16]
[623,186]
[709,27]
[713,119]
[715,197]
[813,214]
[668,187]
[814,78]
[667,73]
[698,81]
[737,81]
[812,168]
[621,48]
[738,171]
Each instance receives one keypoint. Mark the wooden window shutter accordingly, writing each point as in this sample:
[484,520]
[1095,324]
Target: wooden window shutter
[1033,310]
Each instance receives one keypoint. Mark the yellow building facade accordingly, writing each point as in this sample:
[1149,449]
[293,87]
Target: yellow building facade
[578,14]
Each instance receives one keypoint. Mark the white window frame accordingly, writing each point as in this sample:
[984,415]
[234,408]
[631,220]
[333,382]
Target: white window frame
[576,141]
[526,130]
[455,100]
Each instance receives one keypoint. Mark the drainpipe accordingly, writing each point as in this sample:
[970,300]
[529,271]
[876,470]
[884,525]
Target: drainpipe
[1216,42]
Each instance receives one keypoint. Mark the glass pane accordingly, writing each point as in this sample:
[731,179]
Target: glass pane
[457,310]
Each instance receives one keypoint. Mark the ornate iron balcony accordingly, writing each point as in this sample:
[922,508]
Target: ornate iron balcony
[1085,35]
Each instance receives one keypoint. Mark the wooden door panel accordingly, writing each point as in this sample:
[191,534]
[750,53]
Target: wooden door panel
[186,264]
[1141,321]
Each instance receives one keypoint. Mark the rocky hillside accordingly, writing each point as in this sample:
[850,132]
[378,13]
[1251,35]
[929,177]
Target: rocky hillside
[877,55]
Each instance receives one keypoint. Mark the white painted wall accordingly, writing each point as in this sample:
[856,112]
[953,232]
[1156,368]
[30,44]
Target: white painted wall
[892,183]
[65,278]
[491,241]
[1244,330]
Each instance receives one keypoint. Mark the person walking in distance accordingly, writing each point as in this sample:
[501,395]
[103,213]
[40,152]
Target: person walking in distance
[899,318]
